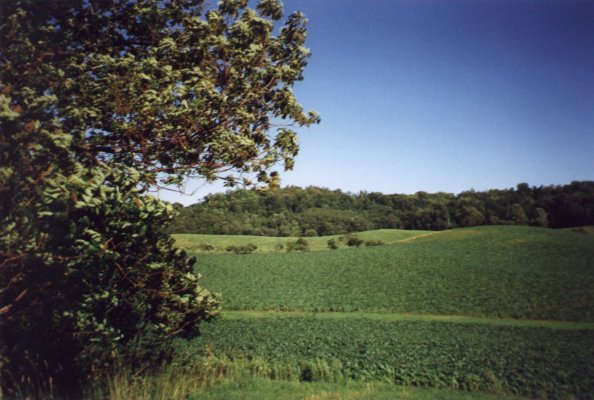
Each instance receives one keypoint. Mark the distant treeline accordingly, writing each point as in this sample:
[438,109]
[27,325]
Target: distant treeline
[314,211]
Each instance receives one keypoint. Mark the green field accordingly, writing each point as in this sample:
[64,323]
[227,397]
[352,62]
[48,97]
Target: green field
[501,272]
[196,242]
[505,310]
[265,389]
[470,357]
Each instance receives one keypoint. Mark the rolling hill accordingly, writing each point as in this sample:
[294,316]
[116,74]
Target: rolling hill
[507,310]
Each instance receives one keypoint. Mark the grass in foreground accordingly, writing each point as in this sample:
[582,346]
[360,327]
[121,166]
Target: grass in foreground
[187,384]
[264,389]
[527,361]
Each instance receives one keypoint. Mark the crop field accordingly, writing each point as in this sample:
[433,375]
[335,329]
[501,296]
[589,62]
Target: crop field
[500,310]
[472,357]
[515,272]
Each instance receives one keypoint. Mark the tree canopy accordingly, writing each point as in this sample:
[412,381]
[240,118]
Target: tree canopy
[168,88]
[99,101]
[313,211]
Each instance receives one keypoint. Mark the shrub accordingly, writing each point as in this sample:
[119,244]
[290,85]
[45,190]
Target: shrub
[86,260]
[332,244]
[370,243]
[206,247]
[353,241]
[299,245]
[245,249]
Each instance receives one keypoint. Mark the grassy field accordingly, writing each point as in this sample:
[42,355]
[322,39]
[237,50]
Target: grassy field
[501,272]
[197,243]
[265,389]
[504,310]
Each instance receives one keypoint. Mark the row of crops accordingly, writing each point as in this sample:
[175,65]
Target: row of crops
[533,362]
[502,272]
[429,310]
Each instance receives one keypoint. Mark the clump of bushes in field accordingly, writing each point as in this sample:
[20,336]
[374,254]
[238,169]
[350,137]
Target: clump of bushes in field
[205,247]
[351,240]
[245,249]
[299,245]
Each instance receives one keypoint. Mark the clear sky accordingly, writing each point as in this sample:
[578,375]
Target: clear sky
[444,95]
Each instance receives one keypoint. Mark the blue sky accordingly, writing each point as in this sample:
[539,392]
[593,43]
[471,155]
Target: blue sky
[444,95]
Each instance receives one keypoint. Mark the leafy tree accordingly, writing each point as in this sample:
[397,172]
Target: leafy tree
[518,215]
[435,216]
[99,101]
[293,211]
[542,218]
[162,86]
[471,216]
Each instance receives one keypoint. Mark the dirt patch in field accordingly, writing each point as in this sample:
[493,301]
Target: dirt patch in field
[445,235]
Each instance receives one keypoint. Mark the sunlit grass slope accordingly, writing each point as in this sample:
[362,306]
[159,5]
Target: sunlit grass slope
[492,271]
[589,230]
[196,242]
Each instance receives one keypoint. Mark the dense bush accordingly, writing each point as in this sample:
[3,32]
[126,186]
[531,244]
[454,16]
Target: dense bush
[88,263]
[244,249]
[332,244]
[299,245]
[353,241]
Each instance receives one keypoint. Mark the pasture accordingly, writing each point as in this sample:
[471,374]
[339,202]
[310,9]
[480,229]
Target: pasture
[504,310]
[198,242]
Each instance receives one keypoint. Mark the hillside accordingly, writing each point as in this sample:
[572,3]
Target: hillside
[502,309]
[494,271]
[266,244]
[313,211]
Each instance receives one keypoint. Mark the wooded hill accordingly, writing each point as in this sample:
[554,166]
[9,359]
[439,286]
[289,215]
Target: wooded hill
[314,211]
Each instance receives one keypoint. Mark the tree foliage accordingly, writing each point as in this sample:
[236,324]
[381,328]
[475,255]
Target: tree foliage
[294,211]
[165,87]
[99,101]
